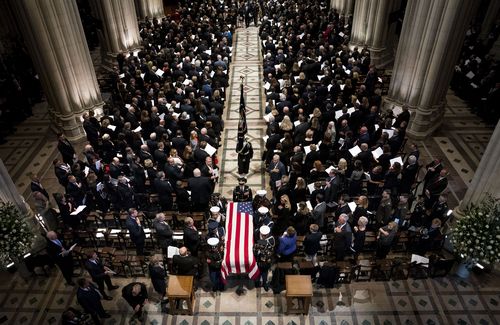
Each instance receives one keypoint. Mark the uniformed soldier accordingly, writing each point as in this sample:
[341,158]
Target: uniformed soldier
[214,261]
[242,192]
[245,155]
[264,254]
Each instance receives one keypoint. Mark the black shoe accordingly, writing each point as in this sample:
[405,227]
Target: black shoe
[266,287]
[108,298]
[113,287]
[106,316]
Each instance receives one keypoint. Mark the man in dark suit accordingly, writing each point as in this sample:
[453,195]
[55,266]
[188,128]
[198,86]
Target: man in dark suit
[164,189]
[173,172]
[319,210]
[65,148]
[179,142]
[312,243]
[125,193]
[408,175]
[343,237]
[100,274]
[91,130]
[185,264]
[136,230]
[36,186]
[403,116]
[271,143]
[300,130]
[200,154]
[90,299]
[201,189]
[191,236]
[76,190]
[61,255]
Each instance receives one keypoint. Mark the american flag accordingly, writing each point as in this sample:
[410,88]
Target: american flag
[238,257]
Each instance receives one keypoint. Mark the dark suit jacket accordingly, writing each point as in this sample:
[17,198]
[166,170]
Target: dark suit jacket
[185,265]
[137,234]
[96,271]
[163,234]
[191,240]
[311,243]
[90,300]
[54,251]
[201,189]
[35,187]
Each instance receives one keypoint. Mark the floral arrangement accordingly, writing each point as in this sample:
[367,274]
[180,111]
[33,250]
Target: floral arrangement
[16,237]
[476,236]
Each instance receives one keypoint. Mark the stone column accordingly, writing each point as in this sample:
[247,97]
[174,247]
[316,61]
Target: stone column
[54,36]
[429,46]
[344,7]
[359,23]
[119,27]
[371,27]
[492,15]
[150,8]
[486,177]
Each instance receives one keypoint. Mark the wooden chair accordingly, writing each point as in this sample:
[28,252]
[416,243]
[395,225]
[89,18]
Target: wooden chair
[199,220]
[382,270]
[364,270]
[345,272]
[400,269]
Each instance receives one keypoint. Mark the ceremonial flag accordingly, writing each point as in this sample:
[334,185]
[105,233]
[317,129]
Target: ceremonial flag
[238,256]
[242,124]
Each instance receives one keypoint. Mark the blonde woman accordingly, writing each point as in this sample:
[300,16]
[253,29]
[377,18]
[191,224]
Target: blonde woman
[177,160]
[286,125]
[300,190]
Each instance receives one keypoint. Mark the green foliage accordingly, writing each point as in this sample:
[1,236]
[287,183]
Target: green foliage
[16,237]
[476,236]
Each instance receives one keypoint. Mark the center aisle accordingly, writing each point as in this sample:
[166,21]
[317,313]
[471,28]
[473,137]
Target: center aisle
[247,62]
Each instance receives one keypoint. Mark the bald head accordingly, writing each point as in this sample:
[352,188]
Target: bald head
[51,235]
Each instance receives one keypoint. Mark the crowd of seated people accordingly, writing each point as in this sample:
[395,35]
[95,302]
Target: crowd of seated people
[476,77]
[329,148]
[331,153]
[161,133]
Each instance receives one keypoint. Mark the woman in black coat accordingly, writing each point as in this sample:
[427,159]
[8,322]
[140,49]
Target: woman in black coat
[158,276]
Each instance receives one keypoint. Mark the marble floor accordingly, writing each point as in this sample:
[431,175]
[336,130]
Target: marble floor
[449,300]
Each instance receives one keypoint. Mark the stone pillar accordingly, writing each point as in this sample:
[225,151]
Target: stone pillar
[371,27]
[119,27]
[344,7]
[150,8]
[486,177]
[429,46]
[359,23]
[54,36]
[492,15]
